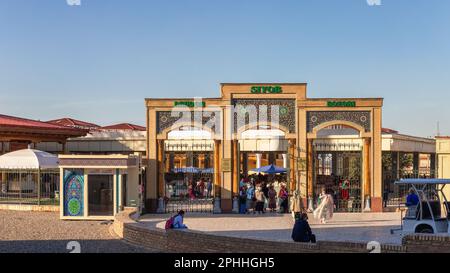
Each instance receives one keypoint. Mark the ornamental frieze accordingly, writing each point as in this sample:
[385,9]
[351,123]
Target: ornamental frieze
[167,119]
[105,162]
[316,118]
[262,110]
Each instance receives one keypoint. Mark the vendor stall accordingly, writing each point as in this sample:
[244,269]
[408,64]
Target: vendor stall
[98,187]
[29,177]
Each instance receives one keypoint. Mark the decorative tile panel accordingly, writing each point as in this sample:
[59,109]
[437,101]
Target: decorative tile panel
[165,119]
[286,115]
[316,118]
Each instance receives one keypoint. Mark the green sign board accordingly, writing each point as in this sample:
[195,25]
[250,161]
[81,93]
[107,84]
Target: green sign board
[266,89]
[190,103]
[341,103]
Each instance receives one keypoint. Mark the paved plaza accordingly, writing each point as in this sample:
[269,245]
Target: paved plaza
[44,232]
[352,227]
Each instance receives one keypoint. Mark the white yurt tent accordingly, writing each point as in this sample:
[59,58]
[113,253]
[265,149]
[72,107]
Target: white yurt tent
[28,159]
[27,176]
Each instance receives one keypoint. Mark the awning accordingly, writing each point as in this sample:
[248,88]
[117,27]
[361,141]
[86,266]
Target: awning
[270,169]
[27,159]
[186,170]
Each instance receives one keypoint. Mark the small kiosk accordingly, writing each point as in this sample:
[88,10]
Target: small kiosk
[97,187]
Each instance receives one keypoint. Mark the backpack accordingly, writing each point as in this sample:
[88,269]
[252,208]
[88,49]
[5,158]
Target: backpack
[169,223]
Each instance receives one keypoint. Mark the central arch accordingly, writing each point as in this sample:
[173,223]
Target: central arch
[339,159]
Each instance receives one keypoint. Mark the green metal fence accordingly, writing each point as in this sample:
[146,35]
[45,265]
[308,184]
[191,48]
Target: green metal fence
[29,187]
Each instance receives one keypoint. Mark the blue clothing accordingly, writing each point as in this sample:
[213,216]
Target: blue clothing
[178,222]
[302,232]
[412,200]
[250,193]
[243,208]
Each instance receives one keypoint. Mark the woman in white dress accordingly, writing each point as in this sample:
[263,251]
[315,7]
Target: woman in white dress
[325,207]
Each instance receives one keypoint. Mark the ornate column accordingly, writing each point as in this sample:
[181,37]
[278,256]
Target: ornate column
[217,178]
[310,168]
[285,160]
[295,197]
[160,174]
[245,163]
[258,160]
[235,176]
[367,175]
[292,169]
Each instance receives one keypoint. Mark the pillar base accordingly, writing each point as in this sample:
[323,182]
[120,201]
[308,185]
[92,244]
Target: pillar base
[235,205]
[310,205]
[217,208]
[151,205]
[161,206]
[367,205]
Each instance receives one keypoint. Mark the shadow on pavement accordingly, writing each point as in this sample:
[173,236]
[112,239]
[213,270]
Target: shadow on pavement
[63,246]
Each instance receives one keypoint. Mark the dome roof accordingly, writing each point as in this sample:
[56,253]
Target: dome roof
[28,159]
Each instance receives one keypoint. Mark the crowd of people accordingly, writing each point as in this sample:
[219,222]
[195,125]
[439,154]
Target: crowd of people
[190,186]
[199,189]
[263,193]
[258,195]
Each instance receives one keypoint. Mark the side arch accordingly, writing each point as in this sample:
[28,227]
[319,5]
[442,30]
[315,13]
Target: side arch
[324,125]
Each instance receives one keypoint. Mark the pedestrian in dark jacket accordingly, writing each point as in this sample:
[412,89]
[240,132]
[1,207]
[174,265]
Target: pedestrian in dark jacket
[302,231]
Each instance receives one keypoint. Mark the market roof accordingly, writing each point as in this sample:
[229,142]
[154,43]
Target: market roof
[28,159]
[420,181]
[388,131]
[11,126]
[124,126]
[74,123]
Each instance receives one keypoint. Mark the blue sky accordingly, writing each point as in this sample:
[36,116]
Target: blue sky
[98,61]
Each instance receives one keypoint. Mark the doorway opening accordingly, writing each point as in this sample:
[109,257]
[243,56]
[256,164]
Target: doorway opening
[100,195]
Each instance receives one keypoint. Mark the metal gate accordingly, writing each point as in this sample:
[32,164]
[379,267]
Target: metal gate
[189,183]
[339,172]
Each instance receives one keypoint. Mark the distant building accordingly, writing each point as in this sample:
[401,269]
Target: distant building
[73,123]
[404,156]
[18,133]
[123,138]
[443,159]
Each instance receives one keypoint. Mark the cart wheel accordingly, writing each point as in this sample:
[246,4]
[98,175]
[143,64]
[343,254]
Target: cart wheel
[424,229]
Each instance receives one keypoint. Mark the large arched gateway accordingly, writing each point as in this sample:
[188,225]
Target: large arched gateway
[330,143]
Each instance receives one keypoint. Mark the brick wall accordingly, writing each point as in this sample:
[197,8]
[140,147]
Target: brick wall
[189,241]
[420,243]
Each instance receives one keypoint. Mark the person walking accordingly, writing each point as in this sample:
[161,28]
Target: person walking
[265,189]
[250,198]
[243,200]
[325,207]
[283,199]
[260,198]
[272,199]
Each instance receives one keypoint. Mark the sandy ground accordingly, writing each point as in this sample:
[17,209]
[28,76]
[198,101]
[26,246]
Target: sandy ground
[44,232]
[352,227]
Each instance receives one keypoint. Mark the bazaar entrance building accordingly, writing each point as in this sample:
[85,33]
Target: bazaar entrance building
[210,144]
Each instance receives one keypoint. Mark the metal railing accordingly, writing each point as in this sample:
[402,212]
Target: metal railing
[395,195]
[29,187]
